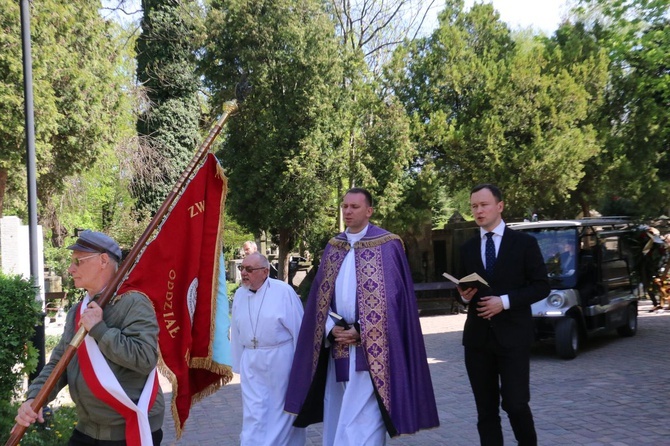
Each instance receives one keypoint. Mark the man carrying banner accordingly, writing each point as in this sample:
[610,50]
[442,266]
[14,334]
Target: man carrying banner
[112,379]
[264,331]
[360,365]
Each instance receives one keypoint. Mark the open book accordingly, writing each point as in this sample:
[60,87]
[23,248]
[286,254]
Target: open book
[469,281]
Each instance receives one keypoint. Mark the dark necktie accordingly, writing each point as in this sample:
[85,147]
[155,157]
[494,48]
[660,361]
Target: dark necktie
[490,253]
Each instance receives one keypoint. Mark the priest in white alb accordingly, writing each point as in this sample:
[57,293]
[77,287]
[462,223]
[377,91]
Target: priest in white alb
[266,319]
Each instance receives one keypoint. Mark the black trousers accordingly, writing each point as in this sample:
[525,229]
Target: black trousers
[496,372]
[80,439]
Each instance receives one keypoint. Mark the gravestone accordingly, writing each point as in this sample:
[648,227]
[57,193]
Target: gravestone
[15,250]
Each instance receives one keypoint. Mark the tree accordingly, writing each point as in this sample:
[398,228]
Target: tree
[633,120]
[166,65]
[76,91]
[11,98]
[374,142]
[384,153]
[439,80]
[575,50]
[486,109]
[278,152]
[376,27]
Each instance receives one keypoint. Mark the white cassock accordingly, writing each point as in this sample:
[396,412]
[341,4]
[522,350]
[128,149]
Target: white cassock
[351,412]
[268,319]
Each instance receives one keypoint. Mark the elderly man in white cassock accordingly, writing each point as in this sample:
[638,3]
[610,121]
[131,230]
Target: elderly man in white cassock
[266,319]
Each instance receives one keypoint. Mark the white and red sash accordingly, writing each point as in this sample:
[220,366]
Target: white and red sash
[96,371]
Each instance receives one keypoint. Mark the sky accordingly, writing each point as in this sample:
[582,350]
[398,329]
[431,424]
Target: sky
[542,15]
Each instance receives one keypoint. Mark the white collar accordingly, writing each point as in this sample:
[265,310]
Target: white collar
[266,283]
[353,238]
[498,230]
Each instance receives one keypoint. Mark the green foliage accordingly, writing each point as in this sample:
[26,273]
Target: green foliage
[82,87]
[99,198]
[487,108]
[419,203]
[20,314]
[234,235]
[617,206]
[633,120]
[166,65]
[381,151]
[76,94]
[231,288]
[448,206]
[574,50]
[55,431]
[50,342]
[278,153]
[561,123]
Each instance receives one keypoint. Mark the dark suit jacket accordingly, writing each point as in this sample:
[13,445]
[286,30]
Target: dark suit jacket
[519,272]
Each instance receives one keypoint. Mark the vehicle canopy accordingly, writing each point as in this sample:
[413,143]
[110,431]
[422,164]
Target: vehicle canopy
[571,247]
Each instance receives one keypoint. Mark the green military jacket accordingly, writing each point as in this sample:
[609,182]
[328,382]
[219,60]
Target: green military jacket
[128,338]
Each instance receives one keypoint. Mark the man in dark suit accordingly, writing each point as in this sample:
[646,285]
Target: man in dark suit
[499,327]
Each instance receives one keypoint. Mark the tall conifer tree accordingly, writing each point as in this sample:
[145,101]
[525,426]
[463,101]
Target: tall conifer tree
[166,65]
[76,99]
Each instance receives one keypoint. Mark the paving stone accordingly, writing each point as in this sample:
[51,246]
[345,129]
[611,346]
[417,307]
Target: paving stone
[613,394]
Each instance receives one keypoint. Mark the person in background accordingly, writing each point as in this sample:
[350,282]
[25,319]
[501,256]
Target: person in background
[265,323]
[568,258]
[112,379]
[498,330]
[249,247]
[360,365]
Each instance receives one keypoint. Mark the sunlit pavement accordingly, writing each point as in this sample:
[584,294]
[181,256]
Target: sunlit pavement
[614,393]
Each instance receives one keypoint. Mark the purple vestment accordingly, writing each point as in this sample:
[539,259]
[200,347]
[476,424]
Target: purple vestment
[391,337]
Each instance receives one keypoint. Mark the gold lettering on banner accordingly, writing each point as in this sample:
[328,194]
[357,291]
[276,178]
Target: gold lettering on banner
[196,209]
[170,318]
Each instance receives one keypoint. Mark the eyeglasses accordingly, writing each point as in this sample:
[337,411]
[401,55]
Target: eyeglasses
[249,269]
[76,261]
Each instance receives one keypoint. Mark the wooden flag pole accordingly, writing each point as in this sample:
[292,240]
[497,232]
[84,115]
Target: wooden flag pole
[229,109]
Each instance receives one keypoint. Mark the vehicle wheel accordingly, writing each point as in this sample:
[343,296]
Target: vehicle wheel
[566,338]
[630,328]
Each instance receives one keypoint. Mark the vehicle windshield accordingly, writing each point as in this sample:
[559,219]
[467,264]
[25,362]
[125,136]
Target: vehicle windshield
[559,248]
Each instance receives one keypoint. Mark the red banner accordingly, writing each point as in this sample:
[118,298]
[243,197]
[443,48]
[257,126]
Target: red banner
[179,272]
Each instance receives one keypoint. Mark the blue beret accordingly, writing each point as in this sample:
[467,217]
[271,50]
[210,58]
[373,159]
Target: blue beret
[91,241]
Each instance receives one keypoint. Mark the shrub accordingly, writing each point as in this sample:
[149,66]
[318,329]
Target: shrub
[231,288]
[50,342]
[20,313]
[55,431]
